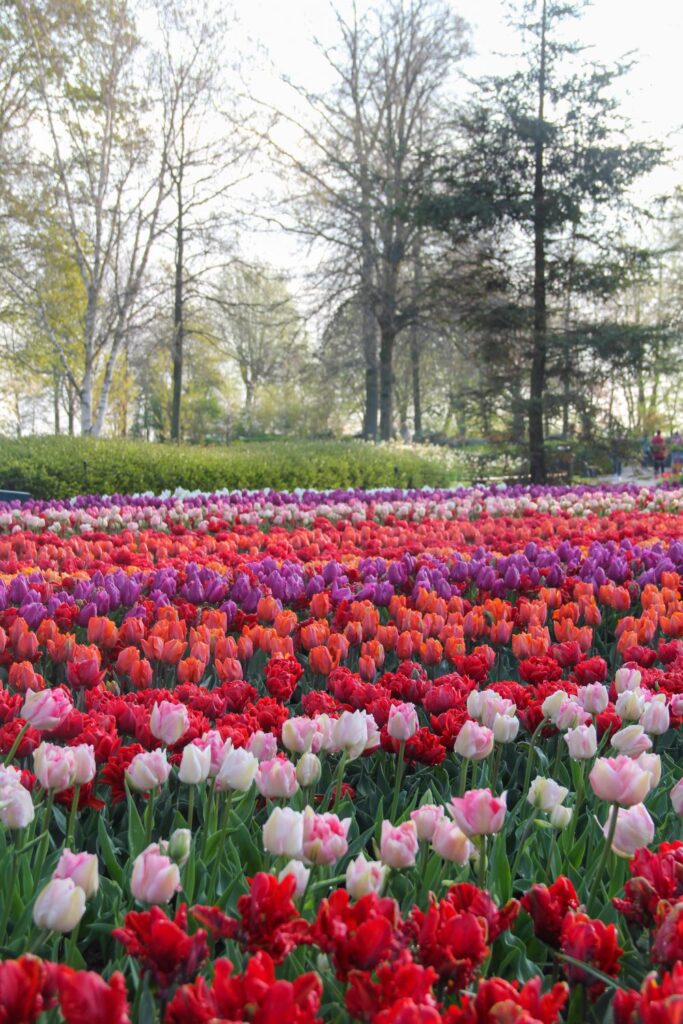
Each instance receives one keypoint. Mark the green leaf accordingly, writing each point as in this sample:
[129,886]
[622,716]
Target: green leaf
[107,851]
[137,839]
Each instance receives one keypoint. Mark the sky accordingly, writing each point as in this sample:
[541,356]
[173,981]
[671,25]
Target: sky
[280,34]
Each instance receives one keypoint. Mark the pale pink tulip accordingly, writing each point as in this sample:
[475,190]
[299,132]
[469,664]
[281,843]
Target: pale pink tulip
[16,806]
[85,764]
[546,794]
[59,906]
[46,709]
[635,829]
[619,780]
[398,844]
[402,722]
[155,878]
[505,728]
[169,722]
[301,874]
[582,742]
[324,837]
[631,740]
[651,763]
[276,779]
[195,764]
[55,767]
[479,812]
[237,771]
[283,833]
[474,742]
[426,819]
[364,877]
[630,705]
[298,734]
[81,868]
[308,769]
[676,795]
[656,719]
[263,745]
[570,714]
[593,698]
[213,741]
[627,678]
[451,843]
[148,770]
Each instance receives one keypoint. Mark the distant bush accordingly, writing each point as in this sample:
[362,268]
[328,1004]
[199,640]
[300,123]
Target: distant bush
[60,467]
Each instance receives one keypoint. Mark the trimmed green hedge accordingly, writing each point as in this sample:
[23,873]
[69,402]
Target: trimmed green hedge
[60,467]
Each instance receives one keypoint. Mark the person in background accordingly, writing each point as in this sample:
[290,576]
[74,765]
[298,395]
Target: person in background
[658,449]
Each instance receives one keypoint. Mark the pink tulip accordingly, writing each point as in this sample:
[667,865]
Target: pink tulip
[237,770]
[676,795]
[46,709]
[16,806]
[194,765]
[283,833]
[635,829]
[364,877]
[570,714]
[81,868]
[505,728]
[301,874]
[59,906]
[630,705]
[479,812]
[148,770]
[213,741]
[582,742]
[262,745]
[632,740]
[324,837]
[451,843]
[593,698]
[402,722]
[399,844]
[619,780]
[55,767]
[651,763]
[169,722]
[298,734]
[474,742]
[627,678]
[155,878]
[276,779]
[656,719]
[426,819]
[85,764]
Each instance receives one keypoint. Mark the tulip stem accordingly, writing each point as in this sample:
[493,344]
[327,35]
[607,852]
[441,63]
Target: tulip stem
[496,766]
[149,818]
[15,746]
[462,782]
[222,831]
[397,781]
[10,889]
[520,849]
[41,938]
[482,863]
[72,816]
[45,838]
[190,808]
[340,778]
[529,761]
[603,857]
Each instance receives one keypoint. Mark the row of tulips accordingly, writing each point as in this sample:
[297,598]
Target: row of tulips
[380,772]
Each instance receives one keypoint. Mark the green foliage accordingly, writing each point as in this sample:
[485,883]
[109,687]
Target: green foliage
[60,467]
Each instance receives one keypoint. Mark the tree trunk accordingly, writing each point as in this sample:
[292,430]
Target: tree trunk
[55,402]
[540,341]
[85,397]
[386,381]
[369,329]
[415,350]
[178,323]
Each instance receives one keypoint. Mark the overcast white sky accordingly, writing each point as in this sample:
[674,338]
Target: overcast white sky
[281,33]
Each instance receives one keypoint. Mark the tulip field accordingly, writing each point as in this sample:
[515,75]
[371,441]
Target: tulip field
[392,757]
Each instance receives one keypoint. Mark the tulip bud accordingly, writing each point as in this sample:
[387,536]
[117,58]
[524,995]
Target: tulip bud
[59,906]
[308,769]
[619,780]
[651,763]
[593,698]
[546,794]
[148,770]
[402,722]
[561,816]
[505,728]
[194,765]
[81,868]
[479,812]
[155,878]
[179,846]
[301,874]
[551,705]
[169,722]
[364,877]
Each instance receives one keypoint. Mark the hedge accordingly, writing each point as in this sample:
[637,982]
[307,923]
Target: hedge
[61,467]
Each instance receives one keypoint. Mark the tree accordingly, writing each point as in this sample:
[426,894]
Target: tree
[542,160]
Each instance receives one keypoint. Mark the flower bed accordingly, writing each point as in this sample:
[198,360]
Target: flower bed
[391,757]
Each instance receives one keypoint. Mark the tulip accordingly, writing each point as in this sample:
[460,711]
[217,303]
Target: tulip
[399,844]
[479,812]
[308,770]
[179,846]
[570,714]
[283,833]
[195,765]
[16,806]
[262,745]
[81,868]
[451,843]
[656,718]
[676,795]
[630,705]
[237,770]
[402,722]
[546,794]
[85,764]
[582,742]
[634,830]
[148,770]
[169,722]
[155,878]
[593,698]
[301,874]
[633,740]
[627,679]
[560,816]
[651,763]
[619,780]
[474,742]
[426,819]
[55,767]
[46,709]
[325,837]
[298,734]
[551,705]
[505,728]
[364,877]
[59,906]
[351,733]
[276,779]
